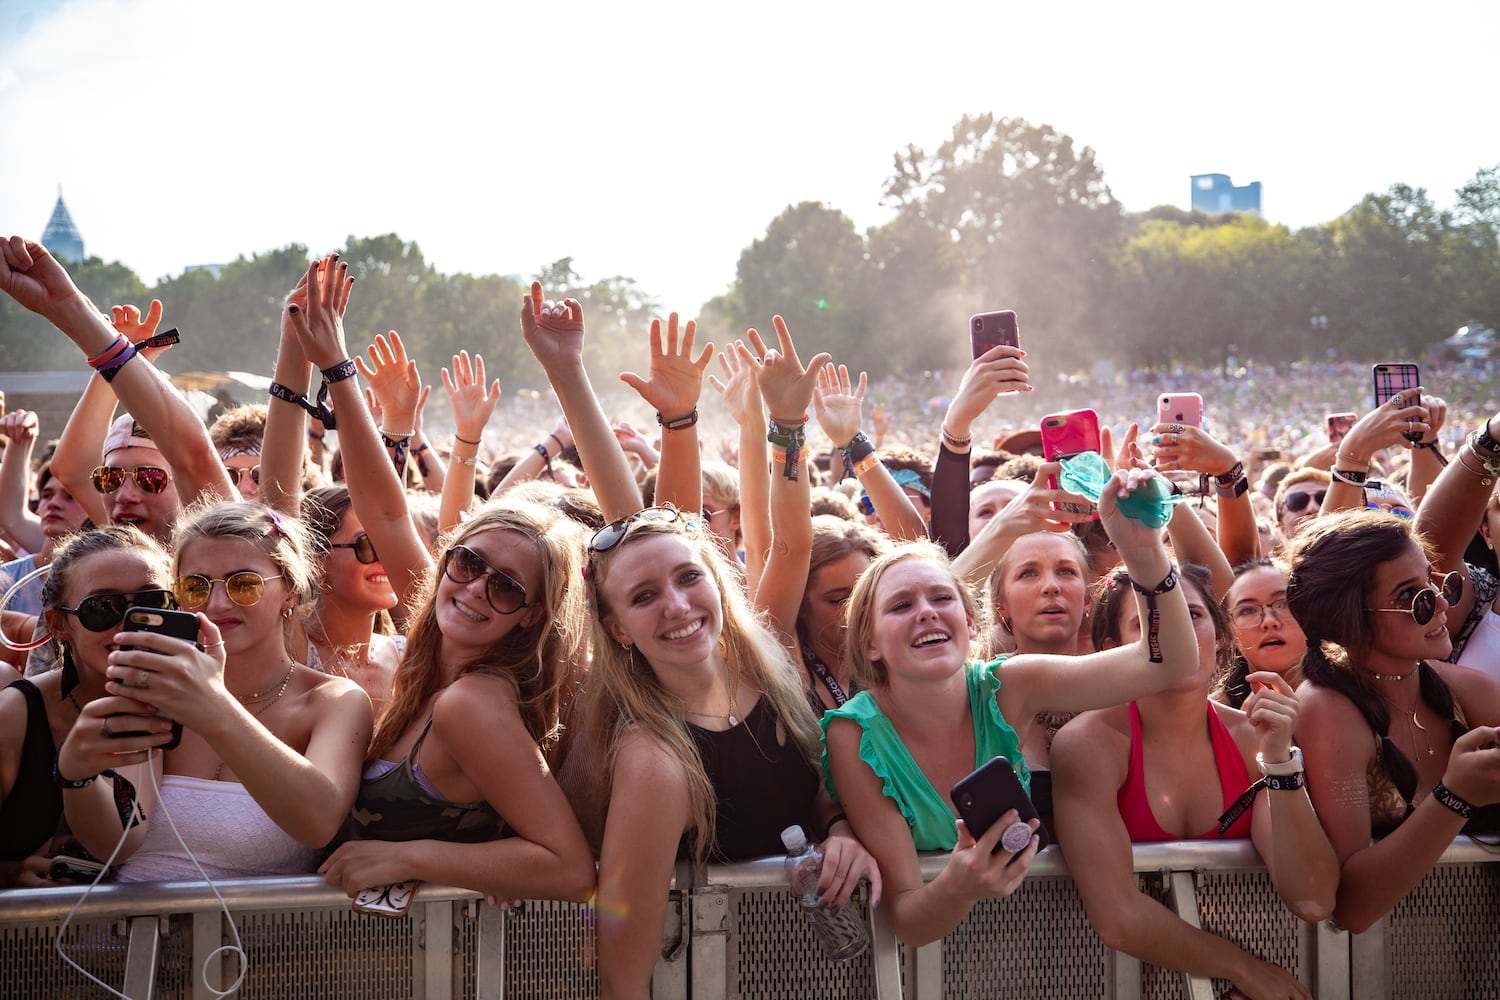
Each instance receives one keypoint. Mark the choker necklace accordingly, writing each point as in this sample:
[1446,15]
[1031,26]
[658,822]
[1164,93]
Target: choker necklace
[1395,677]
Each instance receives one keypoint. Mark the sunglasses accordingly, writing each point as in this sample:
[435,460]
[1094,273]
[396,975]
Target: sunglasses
[1405,513]
[364,549]
[1424,603]
[614,533]
[244,588]
[237,475]
[463,566]
[148,478]
[1295,502]
[103,612]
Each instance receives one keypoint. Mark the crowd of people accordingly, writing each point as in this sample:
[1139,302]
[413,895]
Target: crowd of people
[555,671]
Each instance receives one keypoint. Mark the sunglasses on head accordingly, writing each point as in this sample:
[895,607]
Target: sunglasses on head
[364,549]
[1295,502]
[237,475]
[463,566]
[1424,602]
[614,533]
[244,588]
[102,612]
[148,478]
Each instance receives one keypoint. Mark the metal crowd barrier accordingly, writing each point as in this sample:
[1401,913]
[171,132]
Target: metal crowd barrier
[737,933]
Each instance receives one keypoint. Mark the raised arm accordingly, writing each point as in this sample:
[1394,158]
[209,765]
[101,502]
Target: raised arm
[1455,506]
[473,405]
[19,428]
[741,394]
[285,440]
[1382,427]
[554,332]
[998,370]
[380,502]
[672,387]
[787,388]
[1167,652]
[1426,455]
[1184,447]
[431,467]
[1039,508]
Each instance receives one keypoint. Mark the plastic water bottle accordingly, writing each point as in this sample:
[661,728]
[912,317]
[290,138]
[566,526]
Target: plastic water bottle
[841,932]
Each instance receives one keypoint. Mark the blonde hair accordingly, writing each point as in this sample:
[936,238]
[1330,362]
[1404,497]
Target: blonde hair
[868,673]
[623,694]
[544,660]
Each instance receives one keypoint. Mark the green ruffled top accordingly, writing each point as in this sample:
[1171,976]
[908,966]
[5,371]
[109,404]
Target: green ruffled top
[928,812]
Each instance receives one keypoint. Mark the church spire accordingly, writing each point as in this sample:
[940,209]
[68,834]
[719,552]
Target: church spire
[61,236]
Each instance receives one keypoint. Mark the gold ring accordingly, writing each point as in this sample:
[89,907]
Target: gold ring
[213,644]
[145,680]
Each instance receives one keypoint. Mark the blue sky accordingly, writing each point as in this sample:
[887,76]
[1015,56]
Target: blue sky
[658,140]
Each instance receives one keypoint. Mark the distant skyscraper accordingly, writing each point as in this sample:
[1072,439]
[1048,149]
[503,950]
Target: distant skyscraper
[1217,193]
[61,236]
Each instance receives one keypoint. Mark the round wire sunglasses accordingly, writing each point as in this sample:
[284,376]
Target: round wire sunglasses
[1424,603]
[244,588]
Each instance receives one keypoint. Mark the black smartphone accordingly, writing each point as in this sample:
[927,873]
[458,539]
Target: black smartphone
[991,329]
[1391,379]
[179,624]
[67,869]
[984,796]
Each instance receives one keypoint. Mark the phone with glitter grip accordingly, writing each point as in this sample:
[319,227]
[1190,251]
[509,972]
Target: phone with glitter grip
[985,795]
[179,625]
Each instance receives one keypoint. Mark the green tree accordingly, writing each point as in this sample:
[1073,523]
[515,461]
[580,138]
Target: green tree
[1475,248]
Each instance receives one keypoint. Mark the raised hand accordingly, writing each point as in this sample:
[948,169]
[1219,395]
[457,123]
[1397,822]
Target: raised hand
[740,390]
[393,380]
[1128,534]
[998,370]
[33,277]
[1387,425]
[127,320]
[553,330]
[675,378]
[1126,454]
[785,385]
[319,324]
[838,404]
[472,403]
[1272,708]
[18,426]
[1183,447]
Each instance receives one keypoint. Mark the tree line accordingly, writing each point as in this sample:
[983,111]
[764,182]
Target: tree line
[1003,214]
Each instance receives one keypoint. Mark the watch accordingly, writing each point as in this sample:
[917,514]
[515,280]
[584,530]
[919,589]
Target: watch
[1281,768]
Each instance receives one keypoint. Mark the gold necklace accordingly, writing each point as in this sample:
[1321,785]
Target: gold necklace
[1413,721]
[286,679]
[731,716]
[1395,677]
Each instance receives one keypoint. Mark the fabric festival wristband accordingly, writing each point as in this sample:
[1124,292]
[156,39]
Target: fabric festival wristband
[1444,795]
[119,345]
[866,464]
[675,424]
[109,369]
[337,373]
[1153,612]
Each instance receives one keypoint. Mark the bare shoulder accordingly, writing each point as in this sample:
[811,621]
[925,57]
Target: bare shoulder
[476,699]
[325,691]
[1098,739]
[1478,693]
[645,763]
[1328,722]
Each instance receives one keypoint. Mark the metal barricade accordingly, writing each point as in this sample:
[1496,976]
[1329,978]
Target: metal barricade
[737,933]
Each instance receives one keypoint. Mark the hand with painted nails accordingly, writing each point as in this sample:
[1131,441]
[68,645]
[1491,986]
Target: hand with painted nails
[319,324]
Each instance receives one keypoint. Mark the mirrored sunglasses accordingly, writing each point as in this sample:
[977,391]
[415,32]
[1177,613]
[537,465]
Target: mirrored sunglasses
[148,478]
[103,612]
[237,475]
[463,566]
[1424,603]
[244,588]
[364,549]
[614,533]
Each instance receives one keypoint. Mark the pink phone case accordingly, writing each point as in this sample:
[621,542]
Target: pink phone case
[1065,434]
[1184,408]
[987,330]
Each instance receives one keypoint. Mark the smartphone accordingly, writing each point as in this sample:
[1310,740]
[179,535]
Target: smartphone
[1184,408]
[984,796]
[1065,435]
[1339,424]
[386,900]
[179,624]
[989,330]
[69,869]
[1391,379]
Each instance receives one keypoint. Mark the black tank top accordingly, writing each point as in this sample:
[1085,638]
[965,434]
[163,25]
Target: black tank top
[31,812]
[762,785]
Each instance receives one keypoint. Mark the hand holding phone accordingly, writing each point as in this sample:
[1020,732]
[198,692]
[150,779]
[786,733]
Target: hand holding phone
[991,329]
[990,792]
[178,624]
[80,871]
[1390,381]
[1184,408]
[1065,435]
